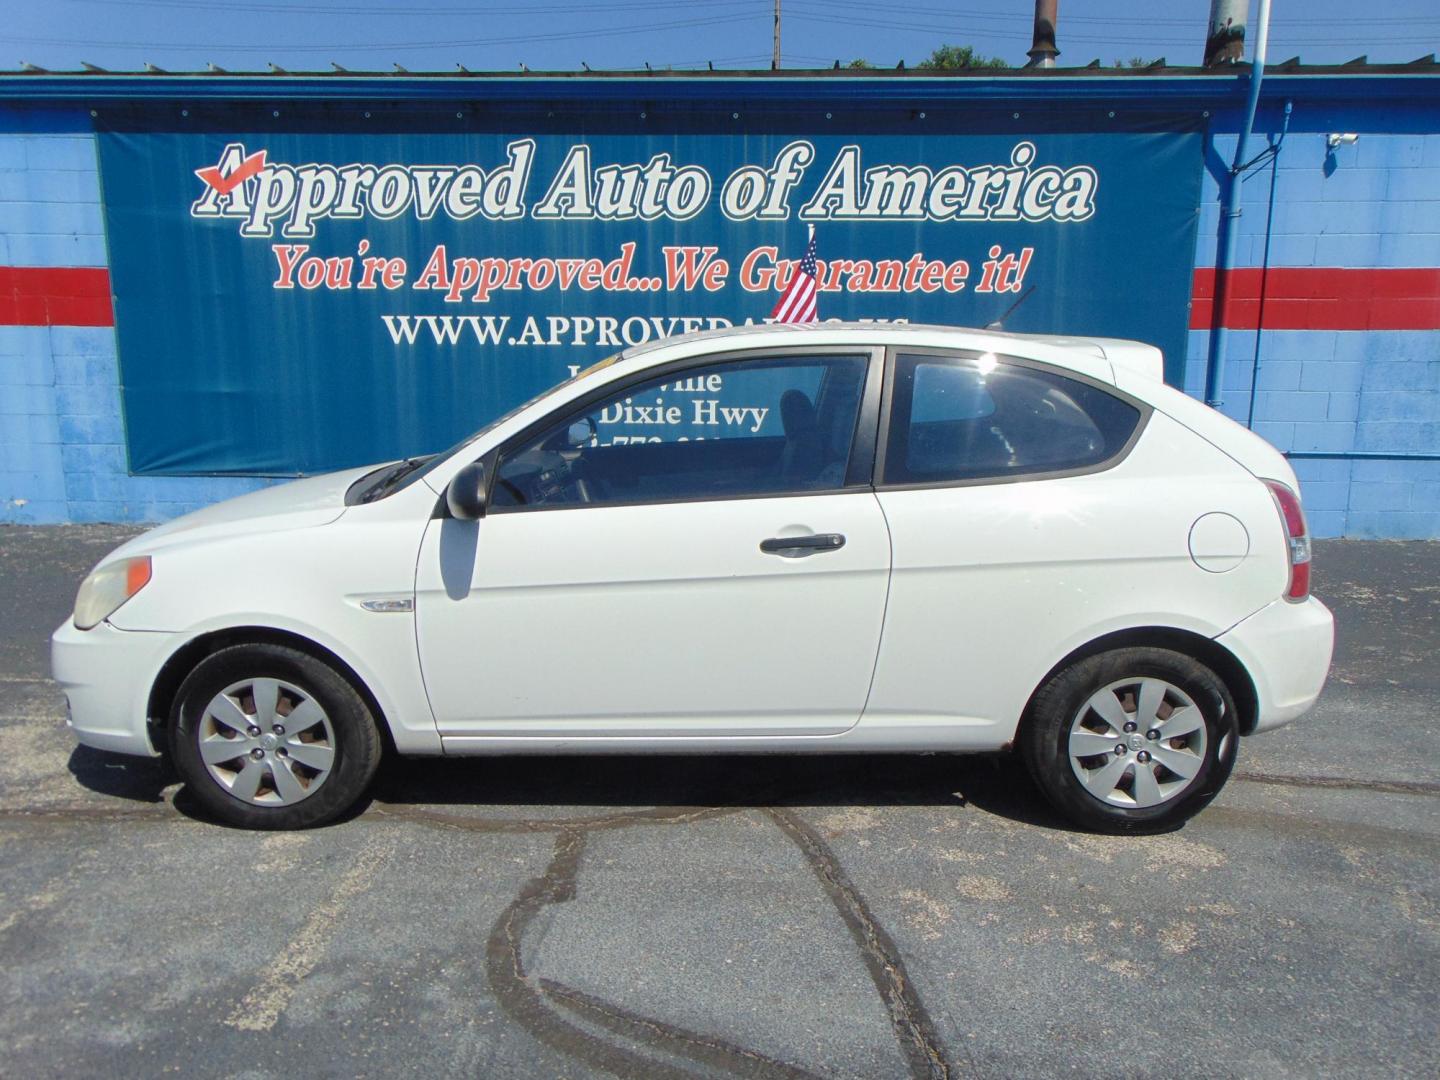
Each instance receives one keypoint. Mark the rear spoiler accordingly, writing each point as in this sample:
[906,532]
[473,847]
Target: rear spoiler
[1134,356]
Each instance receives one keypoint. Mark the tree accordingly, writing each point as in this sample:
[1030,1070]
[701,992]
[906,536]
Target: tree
[858,64]
[959,58]
[1133,62]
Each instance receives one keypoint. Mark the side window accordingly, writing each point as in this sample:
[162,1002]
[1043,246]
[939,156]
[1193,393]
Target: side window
[751,427]
[979,417]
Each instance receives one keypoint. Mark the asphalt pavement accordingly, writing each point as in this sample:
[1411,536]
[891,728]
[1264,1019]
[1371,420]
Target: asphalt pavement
[758,917]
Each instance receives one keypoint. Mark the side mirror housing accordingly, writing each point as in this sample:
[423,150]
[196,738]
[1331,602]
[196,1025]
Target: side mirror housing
[465,497]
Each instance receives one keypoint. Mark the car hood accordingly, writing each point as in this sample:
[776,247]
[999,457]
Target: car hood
[300,504]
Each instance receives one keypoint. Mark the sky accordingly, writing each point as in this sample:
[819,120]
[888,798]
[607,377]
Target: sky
[435,35]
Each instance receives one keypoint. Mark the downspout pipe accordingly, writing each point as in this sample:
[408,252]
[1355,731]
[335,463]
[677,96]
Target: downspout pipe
[1274,154]
[1230,219]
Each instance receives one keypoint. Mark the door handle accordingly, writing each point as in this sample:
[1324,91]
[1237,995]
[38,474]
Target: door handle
[797,547]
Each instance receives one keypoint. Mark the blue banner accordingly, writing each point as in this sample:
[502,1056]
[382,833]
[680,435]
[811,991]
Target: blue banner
[301,300]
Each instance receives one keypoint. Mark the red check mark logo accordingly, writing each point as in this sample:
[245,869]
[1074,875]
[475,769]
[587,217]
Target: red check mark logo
[251,166]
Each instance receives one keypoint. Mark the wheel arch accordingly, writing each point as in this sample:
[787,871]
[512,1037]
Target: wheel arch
[162,701]
[1206,650]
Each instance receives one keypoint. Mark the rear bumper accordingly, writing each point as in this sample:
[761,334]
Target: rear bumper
[1286,649]
[106,674]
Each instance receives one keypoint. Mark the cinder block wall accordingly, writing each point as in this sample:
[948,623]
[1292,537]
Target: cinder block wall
[1349,359]
[62,442]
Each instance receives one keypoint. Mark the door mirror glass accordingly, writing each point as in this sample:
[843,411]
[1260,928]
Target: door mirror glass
[465,497]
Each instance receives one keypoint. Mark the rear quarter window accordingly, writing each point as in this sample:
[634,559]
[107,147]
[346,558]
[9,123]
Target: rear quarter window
[977,417]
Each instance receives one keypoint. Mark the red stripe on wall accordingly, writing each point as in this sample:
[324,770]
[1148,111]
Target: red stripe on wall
[55,296]
[1322,298]
[1296,298]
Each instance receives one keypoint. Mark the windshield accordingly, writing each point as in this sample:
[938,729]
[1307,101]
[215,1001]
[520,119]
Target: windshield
[397,476]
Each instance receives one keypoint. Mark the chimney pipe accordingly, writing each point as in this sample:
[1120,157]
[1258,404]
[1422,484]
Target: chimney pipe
[1225,41]
[1042,47]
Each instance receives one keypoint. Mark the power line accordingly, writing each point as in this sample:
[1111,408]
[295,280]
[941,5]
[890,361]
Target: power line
[829,17]
[753,58]
[750,10]
[1019,17]
[826,9]
[1011,17]
[470,11]
[449,43]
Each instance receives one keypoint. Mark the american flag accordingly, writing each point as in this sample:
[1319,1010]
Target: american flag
[798,303]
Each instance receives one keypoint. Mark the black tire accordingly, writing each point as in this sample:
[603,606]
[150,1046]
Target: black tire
[1046,729]
[357,743]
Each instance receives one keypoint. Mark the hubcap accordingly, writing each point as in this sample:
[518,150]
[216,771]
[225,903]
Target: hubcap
[267,742]
[1137,742]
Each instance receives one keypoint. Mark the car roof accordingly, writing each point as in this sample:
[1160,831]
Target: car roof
[1088,355]
[857,329]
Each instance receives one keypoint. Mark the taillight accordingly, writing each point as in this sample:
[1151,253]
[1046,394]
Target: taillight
[1297,536]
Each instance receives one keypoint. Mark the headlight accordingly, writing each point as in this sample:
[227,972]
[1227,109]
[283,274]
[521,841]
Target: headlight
[107,588]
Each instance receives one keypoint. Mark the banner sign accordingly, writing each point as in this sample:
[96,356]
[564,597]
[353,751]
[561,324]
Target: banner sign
[297,301]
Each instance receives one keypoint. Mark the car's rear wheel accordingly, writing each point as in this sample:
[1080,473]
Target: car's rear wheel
[1133,740]
[268,737]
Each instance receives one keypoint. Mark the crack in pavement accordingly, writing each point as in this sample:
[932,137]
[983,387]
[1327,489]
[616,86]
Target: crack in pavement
[1345,783]
[657,815]
[528,999]
[913,1027]
[88,813]
[1293,826]
[541,1005]
[519,995]
[536,1002]
[162,810]
[706,1049]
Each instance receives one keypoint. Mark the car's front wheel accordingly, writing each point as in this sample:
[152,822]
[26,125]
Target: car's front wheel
[1132,740]
[268,737]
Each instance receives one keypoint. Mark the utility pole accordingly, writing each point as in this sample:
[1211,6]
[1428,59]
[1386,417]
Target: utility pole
[775,57]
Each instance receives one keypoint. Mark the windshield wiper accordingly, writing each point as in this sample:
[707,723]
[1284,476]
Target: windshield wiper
[398,472]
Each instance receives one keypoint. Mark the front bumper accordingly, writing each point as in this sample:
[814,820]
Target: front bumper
[106,674]
[1286,649]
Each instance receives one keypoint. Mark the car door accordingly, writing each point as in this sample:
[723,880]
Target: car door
[697,552]
[1018,520]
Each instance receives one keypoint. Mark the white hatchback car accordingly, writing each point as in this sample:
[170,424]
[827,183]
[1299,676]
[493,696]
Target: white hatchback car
[843,538]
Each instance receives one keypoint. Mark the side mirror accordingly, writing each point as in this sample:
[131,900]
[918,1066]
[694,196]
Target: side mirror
[465,496]
[581,433]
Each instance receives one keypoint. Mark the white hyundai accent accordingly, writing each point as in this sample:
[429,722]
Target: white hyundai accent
[844,538]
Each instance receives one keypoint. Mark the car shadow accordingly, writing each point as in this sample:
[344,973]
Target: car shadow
[120,775]
[992,783]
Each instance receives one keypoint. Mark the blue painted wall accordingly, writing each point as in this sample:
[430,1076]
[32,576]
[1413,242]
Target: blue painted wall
[62,444]
[1374,203]
[62,447]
